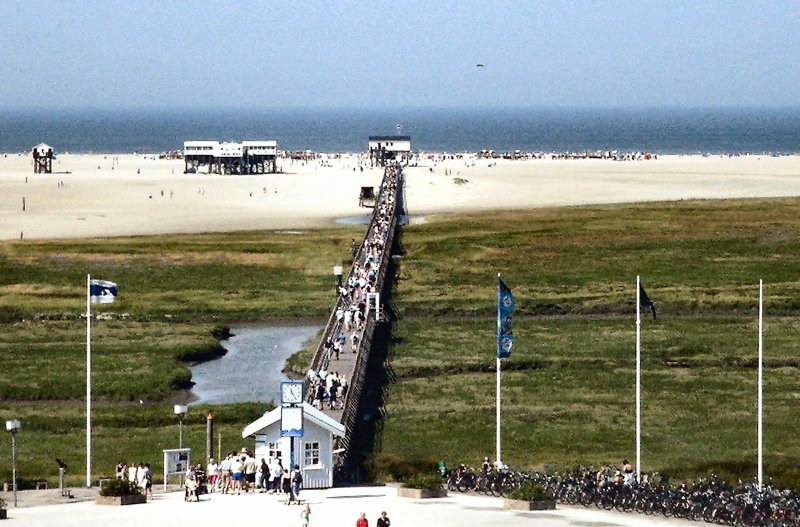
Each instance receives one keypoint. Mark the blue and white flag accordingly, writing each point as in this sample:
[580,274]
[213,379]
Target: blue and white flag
[102,291]
[505,311]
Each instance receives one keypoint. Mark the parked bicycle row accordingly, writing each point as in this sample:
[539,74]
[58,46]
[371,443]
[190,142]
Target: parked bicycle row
[712,500]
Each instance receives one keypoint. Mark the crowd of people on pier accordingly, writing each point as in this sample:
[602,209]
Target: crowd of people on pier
[352,305]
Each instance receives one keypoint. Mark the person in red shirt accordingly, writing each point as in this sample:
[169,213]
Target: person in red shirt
[362,521]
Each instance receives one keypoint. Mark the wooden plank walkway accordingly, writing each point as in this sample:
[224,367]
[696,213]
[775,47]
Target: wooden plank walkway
[367,275]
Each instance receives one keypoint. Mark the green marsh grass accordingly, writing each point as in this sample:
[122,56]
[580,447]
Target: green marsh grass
[569,388]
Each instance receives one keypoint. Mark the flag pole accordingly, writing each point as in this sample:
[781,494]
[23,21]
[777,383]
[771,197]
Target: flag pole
[498,379]
[88,381]
[638,384]
[760,381]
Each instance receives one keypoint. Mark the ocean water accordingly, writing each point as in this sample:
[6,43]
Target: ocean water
[661,131]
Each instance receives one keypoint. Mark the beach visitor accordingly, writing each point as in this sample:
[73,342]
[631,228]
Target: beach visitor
[264,475]
[383,521]
[120,470]
[237,474]
[362,520]
[297,483]
[250,469]
[191,488]
[212,470]
[286,485]
[306,515]
[225,474]
[277,472]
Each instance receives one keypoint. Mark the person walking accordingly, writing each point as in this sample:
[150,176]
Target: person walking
[212,471]
[286,485]
[305,515]
[383,521]
[297,483]
[362,520]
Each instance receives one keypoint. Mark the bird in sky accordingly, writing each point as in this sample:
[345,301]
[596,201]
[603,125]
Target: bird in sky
[479,66]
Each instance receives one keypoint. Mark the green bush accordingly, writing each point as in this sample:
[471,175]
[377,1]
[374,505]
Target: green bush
[119,487]
[530,492]
[426,481]
[398,468]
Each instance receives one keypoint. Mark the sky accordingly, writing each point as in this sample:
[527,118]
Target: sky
[396,54]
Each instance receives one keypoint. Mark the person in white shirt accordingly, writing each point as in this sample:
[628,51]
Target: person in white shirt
[237,474]
[212,471]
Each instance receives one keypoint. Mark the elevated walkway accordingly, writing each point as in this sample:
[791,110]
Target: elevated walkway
[365,281]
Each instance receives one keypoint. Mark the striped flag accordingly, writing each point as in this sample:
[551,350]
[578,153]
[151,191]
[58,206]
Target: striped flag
[102,291]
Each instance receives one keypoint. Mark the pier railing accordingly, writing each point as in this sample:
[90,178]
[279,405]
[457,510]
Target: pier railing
[357,365]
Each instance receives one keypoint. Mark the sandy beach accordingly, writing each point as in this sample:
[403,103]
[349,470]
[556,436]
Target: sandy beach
[97,195]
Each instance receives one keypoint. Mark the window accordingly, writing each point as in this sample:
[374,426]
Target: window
[311,453]
[274,449]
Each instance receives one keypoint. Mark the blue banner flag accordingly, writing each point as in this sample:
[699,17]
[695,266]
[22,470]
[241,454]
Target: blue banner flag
[505,311]
[102,291]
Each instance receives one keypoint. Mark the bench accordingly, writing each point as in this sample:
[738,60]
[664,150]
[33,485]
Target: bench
[41,485]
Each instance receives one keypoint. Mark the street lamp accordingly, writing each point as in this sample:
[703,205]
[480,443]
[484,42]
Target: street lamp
[337,271]
[12,426]
[180,411]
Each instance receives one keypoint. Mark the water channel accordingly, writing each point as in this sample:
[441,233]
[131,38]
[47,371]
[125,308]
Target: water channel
[252,368]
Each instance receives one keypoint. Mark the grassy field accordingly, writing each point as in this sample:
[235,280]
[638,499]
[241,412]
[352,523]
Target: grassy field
[568,390]
[174,291]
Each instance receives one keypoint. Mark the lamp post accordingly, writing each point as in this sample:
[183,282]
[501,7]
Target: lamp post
[180,411]
[337,272]
[12,426]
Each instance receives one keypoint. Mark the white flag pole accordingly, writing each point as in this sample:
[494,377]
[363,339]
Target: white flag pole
[88,381]
[498,413]
[498,378]
[638,385]
[760,381]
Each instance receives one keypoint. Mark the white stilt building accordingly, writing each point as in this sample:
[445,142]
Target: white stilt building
[42,159]
[383,148]
[247,157]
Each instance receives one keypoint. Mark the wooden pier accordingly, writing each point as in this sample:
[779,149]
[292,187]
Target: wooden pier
[375,255]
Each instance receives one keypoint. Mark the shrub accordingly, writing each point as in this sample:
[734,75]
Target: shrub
[530,492]
[399,468]
[427,481]
[119,487]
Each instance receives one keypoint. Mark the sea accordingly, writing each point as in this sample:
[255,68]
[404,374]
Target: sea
[668,131]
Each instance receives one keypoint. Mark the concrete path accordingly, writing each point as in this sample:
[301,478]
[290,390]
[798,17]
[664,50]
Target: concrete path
[338,507]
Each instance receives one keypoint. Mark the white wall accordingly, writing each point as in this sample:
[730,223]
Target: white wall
[312,478]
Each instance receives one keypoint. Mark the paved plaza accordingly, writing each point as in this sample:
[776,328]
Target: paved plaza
[339,507]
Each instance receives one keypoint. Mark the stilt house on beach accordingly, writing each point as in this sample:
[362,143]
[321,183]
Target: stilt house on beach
[384,148]
[313,452]
[42,159]
[247,157]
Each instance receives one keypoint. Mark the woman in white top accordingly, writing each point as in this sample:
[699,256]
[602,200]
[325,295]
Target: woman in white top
[212,471]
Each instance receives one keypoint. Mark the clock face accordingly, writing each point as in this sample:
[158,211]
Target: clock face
[292,392]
